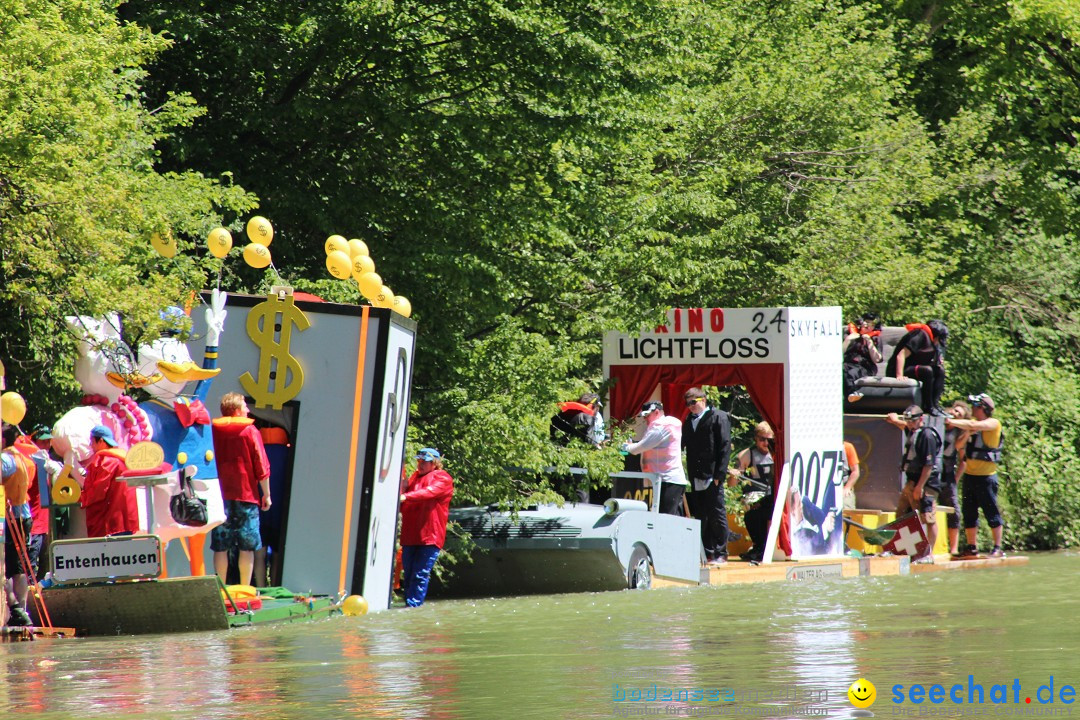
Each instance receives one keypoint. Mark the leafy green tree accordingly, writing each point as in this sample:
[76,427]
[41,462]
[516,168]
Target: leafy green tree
[80,195]
[532,174]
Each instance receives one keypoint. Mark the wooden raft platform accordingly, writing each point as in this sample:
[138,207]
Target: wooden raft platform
[738,571]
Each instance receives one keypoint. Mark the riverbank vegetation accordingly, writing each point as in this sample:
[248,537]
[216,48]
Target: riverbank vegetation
[531,174]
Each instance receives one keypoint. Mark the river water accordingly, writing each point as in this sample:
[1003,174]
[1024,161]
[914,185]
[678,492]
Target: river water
[779,650]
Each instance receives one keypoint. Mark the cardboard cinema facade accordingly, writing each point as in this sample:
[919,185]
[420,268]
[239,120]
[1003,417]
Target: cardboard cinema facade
[789,360]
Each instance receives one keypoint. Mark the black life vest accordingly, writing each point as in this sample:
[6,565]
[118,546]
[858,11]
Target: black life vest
[978,450]
[909,451]
[762,468]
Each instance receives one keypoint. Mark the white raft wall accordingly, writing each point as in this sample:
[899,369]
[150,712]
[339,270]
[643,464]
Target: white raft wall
[338,380]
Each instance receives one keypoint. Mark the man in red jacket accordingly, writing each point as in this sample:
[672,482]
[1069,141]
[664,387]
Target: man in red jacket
[244,473]
[111,507]
[425,508]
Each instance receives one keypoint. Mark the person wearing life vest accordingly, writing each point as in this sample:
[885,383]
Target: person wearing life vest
[110,504]
[581,420]
[756,462]
[244,471]
[661,453]
[949,478]
[980,457]
[18,473]
[920,354]
[577,421]
[921,466]
[862,353]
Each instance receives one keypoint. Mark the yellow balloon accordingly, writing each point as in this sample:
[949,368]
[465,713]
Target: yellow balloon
[370,284]
[358,247]
[402,306]
[259,230]
[354,605]
[339,264]
[12,407]
[335,243]
[384,298]
[220,242]
[164,244]
[361,265]
[256,255]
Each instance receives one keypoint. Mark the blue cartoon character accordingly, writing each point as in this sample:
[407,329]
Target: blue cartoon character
[181,423]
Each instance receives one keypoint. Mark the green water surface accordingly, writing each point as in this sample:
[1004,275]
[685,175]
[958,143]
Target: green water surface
[783,650]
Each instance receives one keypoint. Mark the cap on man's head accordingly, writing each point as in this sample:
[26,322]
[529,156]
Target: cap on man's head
[41,432]
[428,454]
[100,432]
[650,406]
[982,400]
[913,412]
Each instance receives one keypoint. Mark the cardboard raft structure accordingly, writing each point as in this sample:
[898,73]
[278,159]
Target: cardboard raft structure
[337,380]
[790,361]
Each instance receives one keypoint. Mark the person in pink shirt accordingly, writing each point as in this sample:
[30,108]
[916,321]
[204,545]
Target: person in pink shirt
[661,453]
[425,509]
[244,473]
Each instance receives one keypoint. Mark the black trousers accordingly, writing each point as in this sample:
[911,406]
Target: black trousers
[932,379]
[757,521]
[671,499]
[708,506]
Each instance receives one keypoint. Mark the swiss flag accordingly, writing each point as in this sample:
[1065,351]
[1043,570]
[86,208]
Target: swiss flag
[909,538]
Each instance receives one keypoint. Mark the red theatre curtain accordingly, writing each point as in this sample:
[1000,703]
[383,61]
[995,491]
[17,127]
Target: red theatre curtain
[634,385]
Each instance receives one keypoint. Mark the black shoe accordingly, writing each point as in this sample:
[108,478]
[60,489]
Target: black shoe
[969,552]
[19,618]
[997,552]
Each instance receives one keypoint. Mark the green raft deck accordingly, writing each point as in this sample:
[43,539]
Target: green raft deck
[283,610]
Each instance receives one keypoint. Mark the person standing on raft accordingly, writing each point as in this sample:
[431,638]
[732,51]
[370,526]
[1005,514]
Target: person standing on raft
[425,509]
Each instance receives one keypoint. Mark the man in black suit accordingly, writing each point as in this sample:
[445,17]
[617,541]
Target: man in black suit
[706,438]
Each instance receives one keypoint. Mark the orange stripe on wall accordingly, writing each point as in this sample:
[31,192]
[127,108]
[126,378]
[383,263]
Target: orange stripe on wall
[358,397]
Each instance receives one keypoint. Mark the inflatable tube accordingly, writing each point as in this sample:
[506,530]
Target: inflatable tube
[614,506]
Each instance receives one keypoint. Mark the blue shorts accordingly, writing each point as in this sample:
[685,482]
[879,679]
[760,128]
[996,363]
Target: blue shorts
[240,529]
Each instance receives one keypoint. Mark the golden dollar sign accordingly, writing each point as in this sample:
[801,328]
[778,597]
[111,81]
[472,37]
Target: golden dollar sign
[277,366]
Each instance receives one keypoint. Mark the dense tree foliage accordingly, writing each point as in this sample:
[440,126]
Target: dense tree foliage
[79,192]
[530,174]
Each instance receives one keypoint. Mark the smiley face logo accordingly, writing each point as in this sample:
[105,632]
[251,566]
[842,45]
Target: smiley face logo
[862,693]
